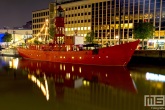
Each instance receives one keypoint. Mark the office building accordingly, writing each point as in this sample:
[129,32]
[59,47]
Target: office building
[109,19]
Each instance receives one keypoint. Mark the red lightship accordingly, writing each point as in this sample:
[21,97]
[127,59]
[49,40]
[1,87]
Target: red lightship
[65,50]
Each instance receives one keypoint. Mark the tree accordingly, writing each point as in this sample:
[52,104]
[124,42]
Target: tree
[90,37]
[37,42]
[143,30]
[7,38]
[51,31]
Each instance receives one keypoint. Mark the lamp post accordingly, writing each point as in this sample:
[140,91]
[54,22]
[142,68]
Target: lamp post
[13,36]
[14,41]
[120,11]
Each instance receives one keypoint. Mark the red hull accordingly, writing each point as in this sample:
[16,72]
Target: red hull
[118,55]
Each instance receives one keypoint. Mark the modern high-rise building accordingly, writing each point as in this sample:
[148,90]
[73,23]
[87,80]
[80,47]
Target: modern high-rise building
[111,20]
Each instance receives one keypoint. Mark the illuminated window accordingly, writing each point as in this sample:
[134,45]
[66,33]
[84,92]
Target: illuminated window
[67,75]
[79,69]
[130,25]
[72,68]
[81,28]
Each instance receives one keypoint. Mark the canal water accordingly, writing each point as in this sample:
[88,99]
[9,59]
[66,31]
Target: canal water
[36,85]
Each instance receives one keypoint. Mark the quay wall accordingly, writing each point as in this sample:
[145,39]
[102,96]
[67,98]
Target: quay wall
[9,52]
[150,53]
[153,57]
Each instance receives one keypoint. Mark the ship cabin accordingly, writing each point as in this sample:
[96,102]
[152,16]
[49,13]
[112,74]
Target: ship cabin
[91,46]
[77,43]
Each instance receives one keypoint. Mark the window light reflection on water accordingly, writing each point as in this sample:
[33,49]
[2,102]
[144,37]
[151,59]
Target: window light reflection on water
[13,63]
[90,85]
[42,86]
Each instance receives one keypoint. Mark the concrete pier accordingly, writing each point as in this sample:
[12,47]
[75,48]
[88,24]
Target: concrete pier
[9,52]
[153,57]
[150,53]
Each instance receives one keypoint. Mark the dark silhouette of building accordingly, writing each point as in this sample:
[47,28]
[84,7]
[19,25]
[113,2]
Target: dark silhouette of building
[28,25]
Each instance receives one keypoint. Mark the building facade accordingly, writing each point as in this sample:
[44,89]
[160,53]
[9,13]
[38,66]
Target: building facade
[111,20]
[116,18]
[40,23]
[18,36]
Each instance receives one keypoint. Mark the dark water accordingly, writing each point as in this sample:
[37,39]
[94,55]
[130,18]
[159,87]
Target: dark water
[34,85]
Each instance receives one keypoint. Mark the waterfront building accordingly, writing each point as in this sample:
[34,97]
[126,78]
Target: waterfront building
[39,18]
[111,20]
[18,36]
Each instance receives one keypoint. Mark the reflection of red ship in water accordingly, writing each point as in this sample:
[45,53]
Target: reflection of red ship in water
[73,76]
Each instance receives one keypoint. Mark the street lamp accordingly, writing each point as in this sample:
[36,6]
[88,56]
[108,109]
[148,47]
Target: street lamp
[13,36]
[120,12]
[117,37]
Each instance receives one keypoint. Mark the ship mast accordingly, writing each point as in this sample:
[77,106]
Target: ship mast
[59,37]
[55,38]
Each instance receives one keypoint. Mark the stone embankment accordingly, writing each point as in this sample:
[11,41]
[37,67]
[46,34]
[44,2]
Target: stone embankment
[150,53]
[156,57]
[9,52]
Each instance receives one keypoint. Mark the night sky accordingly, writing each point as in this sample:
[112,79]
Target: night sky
[17,12]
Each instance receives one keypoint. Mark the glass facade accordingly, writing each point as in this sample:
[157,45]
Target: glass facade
[116,18]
